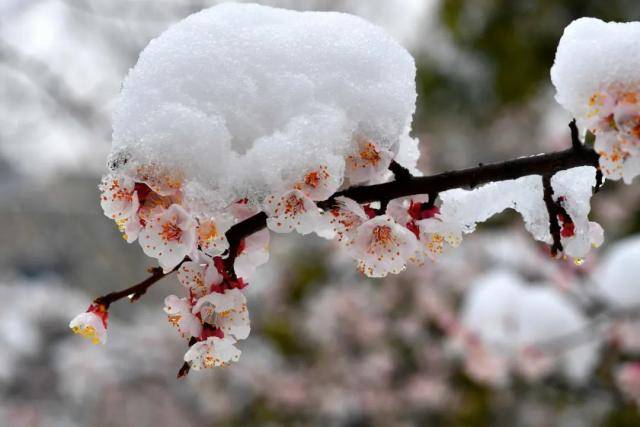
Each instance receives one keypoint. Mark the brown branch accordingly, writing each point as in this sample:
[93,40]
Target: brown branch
[406,185]
[554,211]
[138,290]
[543,164]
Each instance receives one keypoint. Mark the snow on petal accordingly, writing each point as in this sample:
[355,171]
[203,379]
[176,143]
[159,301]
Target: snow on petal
[169,236]
[322,182]
[595,75]
[292,211]
[381,246]
[212,352]
[367,162]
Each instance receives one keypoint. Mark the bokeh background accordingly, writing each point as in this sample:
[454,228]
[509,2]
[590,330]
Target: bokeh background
[328,347]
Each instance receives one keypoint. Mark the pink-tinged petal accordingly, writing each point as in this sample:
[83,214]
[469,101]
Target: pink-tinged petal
[367,162]
[169,237]
[381,246]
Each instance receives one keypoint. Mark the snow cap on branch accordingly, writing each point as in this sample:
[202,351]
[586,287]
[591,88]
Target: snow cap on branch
[246,101]
[596,77]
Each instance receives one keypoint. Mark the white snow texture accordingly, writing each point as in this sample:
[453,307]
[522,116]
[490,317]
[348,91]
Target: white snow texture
[242,100]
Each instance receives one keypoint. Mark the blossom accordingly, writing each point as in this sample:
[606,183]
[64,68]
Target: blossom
[179,315]
[435,232]
[227,311]
[344,219]
[119,200]
[252,253]
[381,246]
[322,182]
[292,211]
[367,162]
[169,236]
[92,324]
[211,235]
[628,380]
[198,277]
[212,352]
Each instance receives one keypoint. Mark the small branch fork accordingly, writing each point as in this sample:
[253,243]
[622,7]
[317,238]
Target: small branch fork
[404,185]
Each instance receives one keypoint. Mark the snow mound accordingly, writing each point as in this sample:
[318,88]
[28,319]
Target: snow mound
[594,56]
[241,101]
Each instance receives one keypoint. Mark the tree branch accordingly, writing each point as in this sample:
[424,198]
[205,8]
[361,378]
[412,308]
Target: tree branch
[136,291]
[542,164]
[405,185]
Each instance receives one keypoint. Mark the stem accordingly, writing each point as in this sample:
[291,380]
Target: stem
[136,291]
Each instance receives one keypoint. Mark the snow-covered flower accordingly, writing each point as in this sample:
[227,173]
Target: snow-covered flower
[179,315]
[212,352]
[381,246]
[320,183]
[227,311]
[292,211]
[367,162]
[92,324]
[169,236]
[606,98]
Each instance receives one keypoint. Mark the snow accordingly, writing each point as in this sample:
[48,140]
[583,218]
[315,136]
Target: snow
[509,315]
[618,278]
[592,56]
[525,195]
[244,100]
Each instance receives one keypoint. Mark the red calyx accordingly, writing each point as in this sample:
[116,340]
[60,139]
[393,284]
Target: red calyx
[143,191]
[101,311]
[419,211]
[210,331]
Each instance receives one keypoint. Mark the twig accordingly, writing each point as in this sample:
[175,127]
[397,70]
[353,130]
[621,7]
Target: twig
[554,211]
[136,291]
[399,172]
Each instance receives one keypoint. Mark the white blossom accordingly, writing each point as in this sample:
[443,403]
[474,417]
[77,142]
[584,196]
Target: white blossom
[91,324]
[292,211]
[381,246]
[179,315]
[212,352]
[169,236]
[227,311]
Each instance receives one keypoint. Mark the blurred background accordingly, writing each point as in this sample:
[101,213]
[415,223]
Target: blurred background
[328,347]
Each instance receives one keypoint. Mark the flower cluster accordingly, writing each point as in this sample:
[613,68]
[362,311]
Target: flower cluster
[614,117]
[595,75]
[150,208]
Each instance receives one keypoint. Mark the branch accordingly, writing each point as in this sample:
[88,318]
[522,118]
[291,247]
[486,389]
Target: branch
[542,164]
[405,185]
[136,291]
[554,210]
